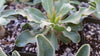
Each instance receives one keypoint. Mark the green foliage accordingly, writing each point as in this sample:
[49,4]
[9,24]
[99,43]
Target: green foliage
[96,4]
[45,47]
[1,3]
[36,2]
[49,29]
[75,37]
[24,38]
[21,1]
[84,50]
[14,53]
[2,53]
[5,15]
[76,17]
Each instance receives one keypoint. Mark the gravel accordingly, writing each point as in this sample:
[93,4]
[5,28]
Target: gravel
[92,37]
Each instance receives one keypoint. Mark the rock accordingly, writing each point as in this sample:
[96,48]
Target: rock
[68,50]
[88,37]
[99,37]
[70,54]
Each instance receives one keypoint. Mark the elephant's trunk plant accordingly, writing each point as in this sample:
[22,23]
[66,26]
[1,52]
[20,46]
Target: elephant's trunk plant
[49,29]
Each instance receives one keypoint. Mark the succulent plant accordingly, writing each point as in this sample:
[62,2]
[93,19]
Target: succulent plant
[54,27]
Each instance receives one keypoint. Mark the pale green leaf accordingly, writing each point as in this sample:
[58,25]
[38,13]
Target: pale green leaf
[48,6]
[64,1]
[2,53]
[75,27]
[59,4]
[59,27]
[22,12]
[64,38]
[76,17]
[45,47]
[7,13]
[65,9]
[24,38]
[84,50]
[36,2]
[4,21]
[44,23]
[3,7]
[97,14]
[53,39]
[75,2]
[73,35]
[2,3]
[34,14]
[15,53]
[97,5]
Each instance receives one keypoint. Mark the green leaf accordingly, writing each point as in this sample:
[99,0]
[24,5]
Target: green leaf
[97,5]
[15,53]
[2,53]
[34,14]
[36,2]
[16,1]
[44,23]
[59,4]
[7,13]
[53,39]
[93,4]
[75,2]
[46,31]
[97,14]
[65,8]
[76,17]
[57,19]
[73,35]
[64,38]
[24,38]
[59,28]
[64,1]
[48,6]
[21,12]
[27,25]
[84,50]
[2,8]
[2,3]
[4,21]
[23,1]
[45,47]
[75,27]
